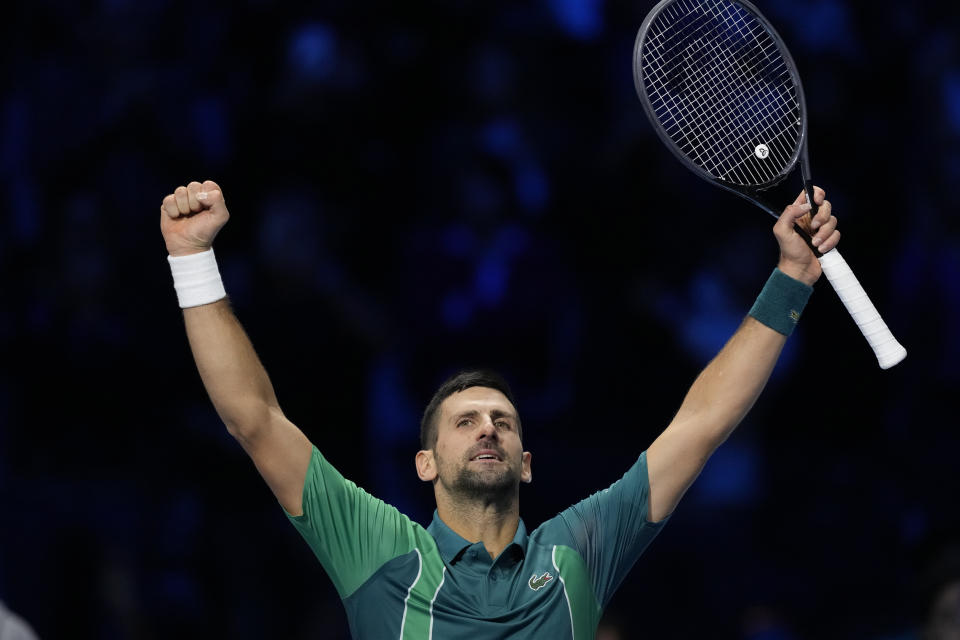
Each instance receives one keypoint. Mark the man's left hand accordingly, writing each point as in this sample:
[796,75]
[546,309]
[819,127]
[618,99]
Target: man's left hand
[796,259]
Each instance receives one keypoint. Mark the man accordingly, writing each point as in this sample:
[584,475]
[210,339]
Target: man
[475,571]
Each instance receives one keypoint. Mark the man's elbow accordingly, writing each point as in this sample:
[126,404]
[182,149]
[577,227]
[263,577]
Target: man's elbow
[248,424]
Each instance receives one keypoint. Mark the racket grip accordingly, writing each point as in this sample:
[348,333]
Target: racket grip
[888,351]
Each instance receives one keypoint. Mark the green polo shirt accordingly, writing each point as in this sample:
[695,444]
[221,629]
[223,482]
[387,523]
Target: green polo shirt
[399,580]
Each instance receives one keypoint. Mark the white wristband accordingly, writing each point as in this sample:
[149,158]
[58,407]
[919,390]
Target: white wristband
[196,279]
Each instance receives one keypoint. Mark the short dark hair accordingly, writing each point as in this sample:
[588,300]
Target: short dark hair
[455,384]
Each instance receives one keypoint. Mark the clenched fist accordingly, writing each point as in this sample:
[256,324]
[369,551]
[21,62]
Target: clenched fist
[191,217]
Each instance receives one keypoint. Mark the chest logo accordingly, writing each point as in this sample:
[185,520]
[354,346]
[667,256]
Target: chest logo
[537,583]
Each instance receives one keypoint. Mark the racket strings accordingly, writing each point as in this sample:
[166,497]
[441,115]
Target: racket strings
[707,95]
[706,98]
[770,111]
[722,91]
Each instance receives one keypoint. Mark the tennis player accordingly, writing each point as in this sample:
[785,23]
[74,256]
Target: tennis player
[476,571]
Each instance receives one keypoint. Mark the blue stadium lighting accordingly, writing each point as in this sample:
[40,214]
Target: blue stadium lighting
[581,19]
[313,51]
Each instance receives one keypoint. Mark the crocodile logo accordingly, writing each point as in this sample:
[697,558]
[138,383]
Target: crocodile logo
[539,583]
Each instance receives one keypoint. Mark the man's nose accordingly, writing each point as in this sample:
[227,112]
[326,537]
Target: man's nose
[487,430]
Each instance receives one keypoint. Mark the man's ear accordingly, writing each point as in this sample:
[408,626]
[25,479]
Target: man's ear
[426,465]
[526,474]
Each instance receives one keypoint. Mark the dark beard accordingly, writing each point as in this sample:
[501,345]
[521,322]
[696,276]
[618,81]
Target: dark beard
[489,484]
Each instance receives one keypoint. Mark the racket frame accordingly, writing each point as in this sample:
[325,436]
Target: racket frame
[799,154]
[889,352]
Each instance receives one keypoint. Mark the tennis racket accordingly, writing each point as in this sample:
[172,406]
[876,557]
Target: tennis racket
[724,95]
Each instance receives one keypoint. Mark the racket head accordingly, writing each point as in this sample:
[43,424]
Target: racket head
[722,92]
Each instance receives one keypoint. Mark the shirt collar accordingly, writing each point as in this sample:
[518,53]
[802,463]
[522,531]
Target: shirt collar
[451,543]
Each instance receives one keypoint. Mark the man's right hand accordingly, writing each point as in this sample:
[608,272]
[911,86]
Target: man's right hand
[191,217]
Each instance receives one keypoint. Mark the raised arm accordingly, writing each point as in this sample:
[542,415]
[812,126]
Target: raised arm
[236,381]
[726,389]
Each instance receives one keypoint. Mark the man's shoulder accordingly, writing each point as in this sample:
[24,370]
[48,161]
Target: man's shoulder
[587,513]
[550,533]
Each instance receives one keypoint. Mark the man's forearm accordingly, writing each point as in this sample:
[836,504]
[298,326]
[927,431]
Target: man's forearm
[726,389]
[713,407]
[232,373]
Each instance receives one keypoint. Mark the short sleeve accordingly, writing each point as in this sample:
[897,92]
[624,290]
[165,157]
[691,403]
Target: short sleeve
[352,533]
[609,529]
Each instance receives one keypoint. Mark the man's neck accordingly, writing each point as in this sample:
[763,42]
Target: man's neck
[491,522]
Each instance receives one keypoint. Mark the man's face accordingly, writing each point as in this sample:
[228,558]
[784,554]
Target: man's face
[478,451]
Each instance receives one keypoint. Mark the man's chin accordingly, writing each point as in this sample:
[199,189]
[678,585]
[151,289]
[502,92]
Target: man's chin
[484,483]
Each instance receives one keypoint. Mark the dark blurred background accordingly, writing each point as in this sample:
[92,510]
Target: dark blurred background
[420,187]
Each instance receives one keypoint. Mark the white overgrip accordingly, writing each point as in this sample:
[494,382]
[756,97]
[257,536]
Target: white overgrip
[889,352]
